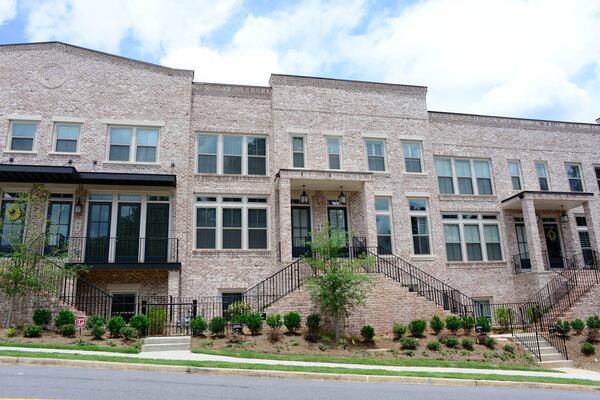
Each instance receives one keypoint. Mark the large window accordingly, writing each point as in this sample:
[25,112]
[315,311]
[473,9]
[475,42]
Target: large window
[419,221]
[66,138]
[376,155]
[542,173]
[412,157]
[231,154]
[514,168]
[574,174]
[464,176]
[383,217]
[298,152]
[22,135]
[231,222]
[334,152]
[472,237]
[133,144]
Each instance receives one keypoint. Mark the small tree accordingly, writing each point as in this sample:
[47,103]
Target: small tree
[335,287]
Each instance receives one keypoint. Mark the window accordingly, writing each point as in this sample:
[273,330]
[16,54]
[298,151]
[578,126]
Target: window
[475,236]
[22,135]
[484,307]
[231,154]
[334,152]
[67,138]
[574,175]
[298,152]
[376,155]
[383,216]
[597,170]
[123,304]
[418,212]
[133,144]
[231,222]
[542,173]
[412,156]
[467,175]
[515,174]
[584,240]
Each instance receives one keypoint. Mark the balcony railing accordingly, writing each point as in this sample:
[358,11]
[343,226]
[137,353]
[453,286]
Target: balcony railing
[522,262]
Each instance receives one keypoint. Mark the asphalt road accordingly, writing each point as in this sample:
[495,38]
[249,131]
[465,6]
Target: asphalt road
[91,384]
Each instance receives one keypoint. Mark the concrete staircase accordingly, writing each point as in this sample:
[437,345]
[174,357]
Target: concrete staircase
[167,343]
[551,357]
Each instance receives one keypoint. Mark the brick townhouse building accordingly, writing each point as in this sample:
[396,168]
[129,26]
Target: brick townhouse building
[163,186]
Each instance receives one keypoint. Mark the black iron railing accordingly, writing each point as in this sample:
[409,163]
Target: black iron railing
[522,262]
[554,261]
[300,246]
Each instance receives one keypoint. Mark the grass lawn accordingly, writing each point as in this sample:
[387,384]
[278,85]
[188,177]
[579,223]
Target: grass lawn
[129,350]
[329,370]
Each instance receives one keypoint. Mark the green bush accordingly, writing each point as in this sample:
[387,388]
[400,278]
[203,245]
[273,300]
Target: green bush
[10,332]
[115,324]
[399,331]
[92,321]
[533,313]
[467,322]
[593,322]
[563,328]
[367,332]
[217,326]
[128,332]
[64,317]
[31,331]
[578,326]
[254,323]
[292,321]
[274,321]
[41,316]
[98,331]
[509,348]
[197,325]
[313,322]
[140,322]
[485,324]
[588,349]
[238,311]
[451,342]
[408,343]
[417,327]
[436,324]
[453,323]
[434,345]
[67,330]
[503,317]
[467,344]
[157,320]
[490,342]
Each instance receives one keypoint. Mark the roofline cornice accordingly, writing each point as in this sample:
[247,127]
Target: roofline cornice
[229,90]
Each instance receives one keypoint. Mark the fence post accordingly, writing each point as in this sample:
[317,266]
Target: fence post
[144,306]
[194,308]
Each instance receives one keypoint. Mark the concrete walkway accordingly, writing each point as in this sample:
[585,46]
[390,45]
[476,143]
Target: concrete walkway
[189,356]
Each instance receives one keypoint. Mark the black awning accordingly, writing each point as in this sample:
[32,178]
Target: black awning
[58,174]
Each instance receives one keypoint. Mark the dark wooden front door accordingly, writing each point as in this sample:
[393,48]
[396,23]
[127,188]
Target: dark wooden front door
[553,246]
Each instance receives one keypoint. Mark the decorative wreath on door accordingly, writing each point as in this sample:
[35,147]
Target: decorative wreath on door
[14,213]
[551,235]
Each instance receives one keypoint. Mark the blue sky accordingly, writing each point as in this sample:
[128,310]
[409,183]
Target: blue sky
[527,58]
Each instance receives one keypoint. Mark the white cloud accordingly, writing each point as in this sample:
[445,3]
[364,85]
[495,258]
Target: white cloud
[8,10]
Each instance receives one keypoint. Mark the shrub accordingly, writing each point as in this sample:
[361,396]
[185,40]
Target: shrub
[41,316]
[467,343]
[503,317]
[140,322]
[417,327]
[453,323]
[64,317]
[490,342]
[509,348]
[157,320]
[10,332]
[436,324]
[115,324]
[588,349]
[593,324]
[274,321]
[94,320]
[467,322]
[197,325]
[434,345]
[254,323]
[399,331]
[451,342]
[578,326]
[31,331]
[98,331]
[291,320]
[313,322]
[408,343]
[367,332]
[238,311]
[485,324]
[128,332]
[217,326]
[67,330]
[563,328]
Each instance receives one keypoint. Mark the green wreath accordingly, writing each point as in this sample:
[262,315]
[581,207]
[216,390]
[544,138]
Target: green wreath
[551,235]
[14,213]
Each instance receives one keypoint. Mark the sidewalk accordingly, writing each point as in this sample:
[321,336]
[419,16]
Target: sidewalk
[189,356]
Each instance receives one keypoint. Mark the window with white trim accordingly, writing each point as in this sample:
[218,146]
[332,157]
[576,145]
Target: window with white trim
[542,173]
[231,222]
[383,222]
[418,211]
[573,171]
[298,152]
[472,237]
[133,144]
[464,176]
[334,152]
[66,137]
[514,168]
[23,135]
[376,155]
[231,154]
[412,157]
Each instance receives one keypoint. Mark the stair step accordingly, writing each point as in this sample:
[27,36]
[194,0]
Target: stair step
[165,347]
[167,339]
[552,357]
[556,364]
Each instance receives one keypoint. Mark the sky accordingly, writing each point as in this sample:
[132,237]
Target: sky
[521,58]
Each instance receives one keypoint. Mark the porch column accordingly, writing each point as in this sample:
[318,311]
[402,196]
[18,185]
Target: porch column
[534,243]
[592,225]
[173,284]
[285,220]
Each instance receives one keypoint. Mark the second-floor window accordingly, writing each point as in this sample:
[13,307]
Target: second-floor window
[22,135]
[376,155]
[464,176]
[133,144]
[472,237]
[542,174]
[66,138]
[515,174]
[334,152]
[574,176]
[231,154]
[298,152]
[412,157]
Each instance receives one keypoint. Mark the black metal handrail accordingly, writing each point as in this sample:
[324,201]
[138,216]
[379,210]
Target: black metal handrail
[555,261]
[522,262]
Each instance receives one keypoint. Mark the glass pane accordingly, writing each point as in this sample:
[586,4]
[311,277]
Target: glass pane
[465,186]
[451,234]
[376,163]
[516,183]
[257,218]
[491,234]
[384,243]
[299,160]
[493,251]
[541,170]
[147,137]
[257,165]
[232,218]
[119,153]
[383,225]
[453,252]
[443,167]
[471,233]
[543,184]
[576,185]
[232,238]
[382,203]
[67,132]
[298,144]
[482,169]
[333,145]
[513,167]
[474,252]
[232,164]
[411,150]
[207,144]
[417,204]
[205,238]
[484,186]
[21,144]
[206,218]
[24,129]
[445,185]
[146,154]
[419,225]
[412,164]
[257,238]
[257,146]
[232,145]
[463,168]
[121,136]
[207,164]
[66,146]
[421,245]
[334,161]
[375,148]
[573,171]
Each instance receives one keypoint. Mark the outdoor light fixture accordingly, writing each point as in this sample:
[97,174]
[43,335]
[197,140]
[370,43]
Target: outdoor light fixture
[78,205]
[564,218]
[342,196]
[303,196]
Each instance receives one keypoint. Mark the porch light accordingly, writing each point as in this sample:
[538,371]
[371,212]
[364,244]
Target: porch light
[342,196]
[303,196]
[78,205]
[564,218]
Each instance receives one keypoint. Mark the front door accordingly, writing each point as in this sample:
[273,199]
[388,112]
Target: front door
[98,233]
[59,226]
[300,231]
[157,232]
[128,233]
[338,221]
[553,246]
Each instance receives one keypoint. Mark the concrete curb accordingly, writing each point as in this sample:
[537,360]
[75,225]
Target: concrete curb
[116,366]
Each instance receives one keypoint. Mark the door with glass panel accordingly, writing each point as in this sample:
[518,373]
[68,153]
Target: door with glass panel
[553,246]
[338,222]
[128,233]
[522,248]
[98,233]
[157,233]
[59,226]
[300,231]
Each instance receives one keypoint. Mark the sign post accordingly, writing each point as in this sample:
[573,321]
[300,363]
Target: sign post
[80,322]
